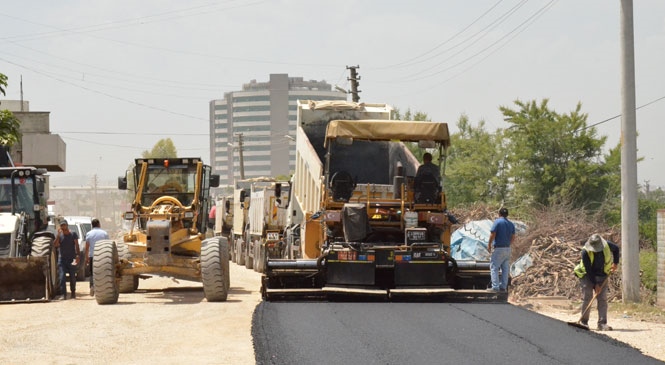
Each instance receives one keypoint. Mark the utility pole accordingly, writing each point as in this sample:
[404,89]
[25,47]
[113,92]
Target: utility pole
[355,78]
[630,246]
[95,183]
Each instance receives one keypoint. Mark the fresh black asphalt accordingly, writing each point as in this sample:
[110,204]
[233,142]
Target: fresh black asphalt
[426,333]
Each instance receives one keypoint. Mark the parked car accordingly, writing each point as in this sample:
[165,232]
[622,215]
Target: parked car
[81,225]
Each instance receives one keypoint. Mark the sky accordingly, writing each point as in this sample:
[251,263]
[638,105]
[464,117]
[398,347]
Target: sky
[118,75]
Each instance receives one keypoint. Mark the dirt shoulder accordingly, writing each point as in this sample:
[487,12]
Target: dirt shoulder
[643,332]
[165,321]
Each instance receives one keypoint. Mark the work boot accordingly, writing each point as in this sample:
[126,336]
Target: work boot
[604,327]
[73,295]
[92,291]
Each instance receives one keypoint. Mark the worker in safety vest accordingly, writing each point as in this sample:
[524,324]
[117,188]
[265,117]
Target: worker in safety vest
[599,260]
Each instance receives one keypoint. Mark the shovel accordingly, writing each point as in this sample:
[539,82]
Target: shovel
[579,323]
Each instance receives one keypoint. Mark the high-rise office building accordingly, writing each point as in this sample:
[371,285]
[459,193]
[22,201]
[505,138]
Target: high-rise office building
[257,124]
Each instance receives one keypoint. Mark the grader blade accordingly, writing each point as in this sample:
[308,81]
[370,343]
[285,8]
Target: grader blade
[24,279]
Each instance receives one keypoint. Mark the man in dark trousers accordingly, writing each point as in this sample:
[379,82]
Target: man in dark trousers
[502,234]
[94,235]
[67,242]
[599,260]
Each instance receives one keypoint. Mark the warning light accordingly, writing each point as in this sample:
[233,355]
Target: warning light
[166,163]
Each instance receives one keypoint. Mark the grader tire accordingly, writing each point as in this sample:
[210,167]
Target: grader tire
[213,273]
[42,246]
[128,283]
[224,247]
[104,269]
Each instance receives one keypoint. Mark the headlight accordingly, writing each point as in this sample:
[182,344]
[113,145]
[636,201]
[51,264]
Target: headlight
[189,215]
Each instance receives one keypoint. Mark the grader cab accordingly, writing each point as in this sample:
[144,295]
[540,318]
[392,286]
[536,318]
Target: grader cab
[167,231]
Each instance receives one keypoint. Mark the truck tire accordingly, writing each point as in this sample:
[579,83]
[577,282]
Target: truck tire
[260,257]
[127,282]
[224,246]
[239,252]
[213,273]
[43,246]
[249,261]
[255,253]
[232,250]
[105,269]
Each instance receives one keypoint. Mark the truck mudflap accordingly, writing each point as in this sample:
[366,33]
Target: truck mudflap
[26,279]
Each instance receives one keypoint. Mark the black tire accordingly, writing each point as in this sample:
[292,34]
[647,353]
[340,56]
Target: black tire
[213,274]
[249,261]
[240,253]
[232,251]
[126,284]
[224,246]
[43,246]
[105,269]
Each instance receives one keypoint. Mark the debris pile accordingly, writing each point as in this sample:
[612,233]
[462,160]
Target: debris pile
[554,241]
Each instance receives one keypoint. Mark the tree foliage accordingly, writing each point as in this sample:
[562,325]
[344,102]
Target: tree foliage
[476,169]
[10,126]
[3,83]
[554,157]
[164,148]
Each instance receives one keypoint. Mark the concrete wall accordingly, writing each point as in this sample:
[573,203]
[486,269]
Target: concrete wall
[38,147]
[660,290]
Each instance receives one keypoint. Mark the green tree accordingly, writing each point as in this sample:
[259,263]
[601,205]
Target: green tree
[555,157]
[164,148]
[3,83]
[10,126]
[476,168]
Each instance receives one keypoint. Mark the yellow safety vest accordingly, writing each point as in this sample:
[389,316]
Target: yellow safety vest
[580,271]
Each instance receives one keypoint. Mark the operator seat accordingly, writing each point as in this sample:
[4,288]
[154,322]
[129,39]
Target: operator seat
[342,185]
[426,189]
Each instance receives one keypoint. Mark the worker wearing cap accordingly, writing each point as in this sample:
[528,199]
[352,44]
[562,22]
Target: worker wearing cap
[599,259]
[67,242]
[502,234]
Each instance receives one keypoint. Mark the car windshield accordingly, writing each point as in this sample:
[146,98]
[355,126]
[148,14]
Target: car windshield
[177,181]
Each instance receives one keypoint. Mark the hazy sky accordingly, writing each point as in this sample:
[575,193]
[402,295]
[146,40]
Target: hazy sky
[119,75]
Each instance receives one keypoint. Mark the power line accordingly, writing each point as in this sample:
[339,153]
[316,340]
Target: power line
[618,116]
[411,60]
[106,94]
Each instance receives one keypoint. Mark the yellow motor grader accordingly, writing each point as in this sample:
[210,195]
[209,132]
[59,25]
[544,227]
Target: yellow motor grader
[168,223]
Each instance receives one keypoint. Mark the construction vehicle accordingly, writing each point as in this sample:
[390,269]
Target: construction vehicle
[223,216]
[267,219]
[28,260]
[167,231]
[242,250]
[367,225]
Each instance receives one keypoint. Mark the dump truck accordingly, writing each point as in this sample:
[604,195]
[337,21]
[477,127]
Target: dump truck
[241,204]
[223,216]
[28,260]
[366,225]
[168,223]
[267,220]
